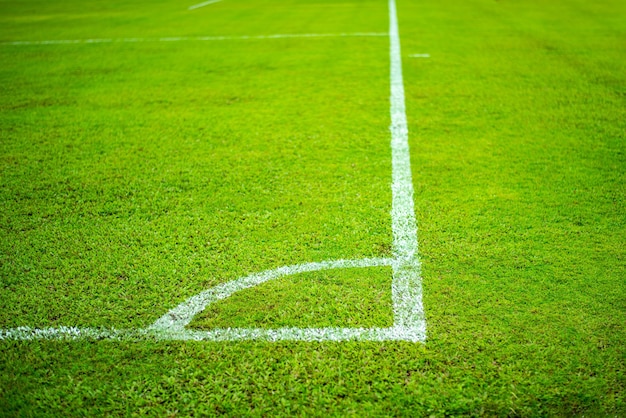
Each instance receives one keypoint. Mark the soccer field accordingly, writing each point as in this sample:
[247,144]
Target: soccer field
[208,208]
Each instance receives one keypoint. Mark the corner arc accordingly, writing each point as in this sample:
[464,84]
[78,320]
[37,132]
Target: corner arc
[179,317]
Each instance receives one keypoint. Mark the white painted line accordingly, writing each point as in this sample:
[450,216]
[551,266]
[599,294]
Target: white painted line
[419,55]
[407,281]
[96,41]
[402,212]
[66,333]
[409,320]
[196,38]
[206,3]
[220,334]
[294,334]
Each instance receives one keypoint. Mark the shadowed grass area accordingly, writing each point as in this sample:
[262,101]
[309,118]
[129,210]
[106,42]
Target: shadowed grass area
[133,176]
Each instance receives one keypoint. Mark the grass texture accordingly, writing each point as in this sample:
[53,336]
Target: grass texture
[135,175]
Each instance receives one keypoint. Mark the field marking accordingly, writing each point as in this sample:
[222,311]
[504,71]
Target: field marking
[217,335]
[206,3]
[409,320]
[419,55]
[407,280]
[195,38]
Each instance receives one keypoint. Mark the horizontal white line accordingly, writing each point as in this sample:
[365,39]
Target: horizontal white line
[196,38]
[419,55]
[297,334]
[222,334]
[206,3]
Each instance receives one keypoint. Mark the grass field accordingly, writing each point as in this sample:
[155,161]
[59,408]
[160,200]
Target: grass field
[138,171]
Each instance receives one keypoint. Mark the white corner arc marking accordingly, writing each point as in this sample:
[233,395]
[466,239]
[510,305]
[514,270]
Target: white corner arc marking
[179,317]
[206,3]
[409,319]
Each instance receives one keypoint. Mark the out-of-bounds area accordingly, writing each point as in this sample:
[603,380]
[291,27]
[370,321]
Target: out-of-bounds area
[150,151]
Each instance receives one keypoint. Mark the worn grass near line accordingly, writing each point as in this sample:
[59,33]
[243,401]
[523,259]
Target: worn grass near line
[133,176]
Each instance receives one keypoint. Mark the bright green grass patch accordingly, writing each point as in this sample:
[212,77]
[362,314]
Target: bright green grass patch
[334,298]
[42,20]
[520,190]
[137,175]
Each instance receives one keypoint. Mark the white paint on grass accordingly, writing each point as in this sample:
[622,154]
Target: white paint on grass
[195,38]
[293,334]
[419,55]
[220,334]
[409,321]
[407,282]
[66,333]
[206,3]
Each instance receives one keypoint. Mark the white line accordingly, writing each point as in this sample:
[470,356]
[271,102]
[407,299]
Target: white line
[206,3]
[402,213]
[419,55]
[407,282]
[66,333]
[296,334]
[196,38]
[220,334]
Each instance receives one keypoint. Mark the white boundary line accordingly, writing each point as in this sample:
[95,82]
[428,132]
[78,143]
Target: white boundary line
[195,38]
[215,335]
[407,281]
[206,3]
[409,321]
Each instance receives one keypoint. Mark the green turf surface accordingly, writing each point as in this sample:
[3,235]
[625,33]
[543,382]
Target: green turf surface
[335,298]
[135,175]
[132,191]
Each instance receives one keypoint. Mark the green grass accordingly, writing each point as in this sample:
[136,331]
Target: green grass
[336,298]
[135,175]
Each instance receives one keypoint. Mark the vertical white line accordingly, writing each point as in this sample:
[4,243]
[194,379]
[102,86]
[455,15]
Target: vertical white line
[407,283]
[402,212]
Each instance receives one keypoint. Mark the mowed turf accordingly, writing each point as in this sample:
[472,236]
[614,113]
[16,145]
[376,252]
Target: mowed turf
[135,175]
[139,174]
